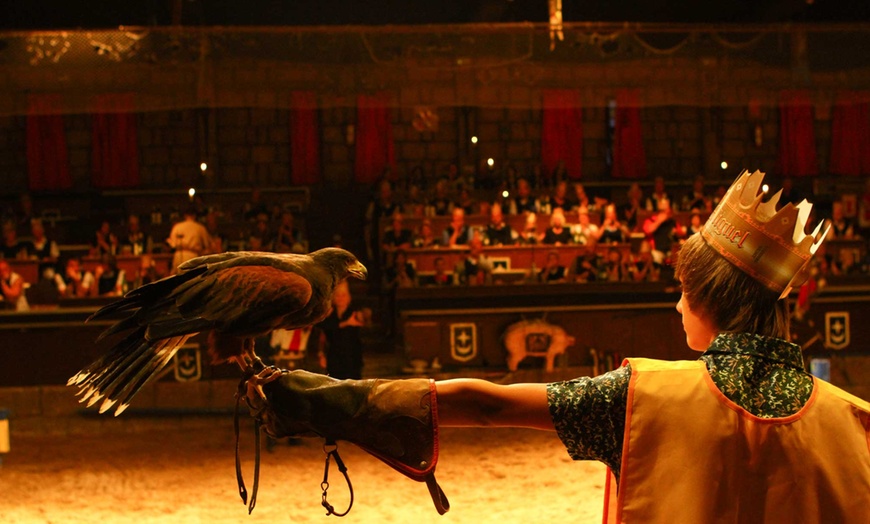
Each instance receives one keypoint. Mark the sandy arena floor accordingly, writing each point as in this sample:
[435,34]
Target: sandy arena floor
[153,473]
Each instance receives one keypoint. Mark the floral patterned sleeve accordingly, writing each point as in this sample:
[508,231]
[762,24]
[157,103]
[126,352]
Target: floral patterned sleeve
[589,415]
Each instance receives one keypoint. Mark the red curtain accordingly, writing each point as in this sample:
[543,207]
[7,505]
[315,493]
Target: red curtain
[629,157]
[562,132]
[47,156]
[114,142]
[797,138]
[850,135]
[374,138]
[304,139]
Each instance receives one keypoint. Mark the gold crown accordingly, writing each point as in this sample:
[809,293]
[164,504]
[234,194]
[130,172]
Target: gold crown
[769,245]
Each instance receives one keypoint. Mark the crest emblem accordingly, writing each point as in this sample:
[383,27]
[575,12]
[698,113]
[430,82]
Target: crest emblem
[837,329]
[188,366]
[463,341]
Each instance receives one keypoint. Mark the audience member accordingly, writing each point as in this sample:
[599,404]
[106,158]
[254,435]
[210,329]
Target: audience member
[263,231]
[529,235]
[12,288]
[441,277]
[557,234]
[697,198]
[581,198]
[105,241]
[147,271]
[400,272]
[415,203]
[382,205]
[662,230]
[584,231]
[25,214]
[847,263]
[630,209]
[396,236]
[425,236]
[110,279]
[134,241]
[695,223]
[612,230]
[74,282]
[523,202]
[440,204]
[841,226]
[789,194]
[498,232]
[659,193]
[864,211]
[466,201]
[188,238]
[289,238]
[475,268]
[40,247]
[457,232]
[615,268]
[644,268]
[554,271]
[586,267]
[12,247]
[340,343]
[561,199]
[253,208]
[217,241]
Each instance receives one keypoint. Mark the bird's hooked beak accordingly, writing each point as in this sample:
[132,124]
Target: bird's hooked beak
[358,270]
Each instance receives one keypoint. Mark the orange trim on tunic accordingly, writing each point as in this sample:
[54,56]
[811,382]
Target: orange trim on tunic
[692,455]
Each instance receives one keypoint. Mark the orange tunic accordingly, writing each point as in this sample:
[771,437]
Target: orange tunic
[691,455]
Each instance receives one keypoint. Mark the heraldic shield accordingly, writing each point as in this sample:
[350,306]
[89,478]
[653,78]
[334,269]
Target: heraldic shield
[463,341]
[188,363]
[837,329]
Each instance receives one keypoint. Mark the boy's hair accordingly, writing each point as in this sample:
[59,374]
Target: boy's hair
[731,299]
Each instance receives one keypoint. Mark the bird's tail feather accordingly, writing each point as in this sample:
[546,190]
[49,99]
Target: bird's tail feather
[125,369]
[147,294]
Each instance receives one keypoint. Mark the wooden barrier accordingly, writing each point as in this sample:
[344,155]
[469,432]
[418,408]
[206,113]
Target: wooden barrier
[509,258]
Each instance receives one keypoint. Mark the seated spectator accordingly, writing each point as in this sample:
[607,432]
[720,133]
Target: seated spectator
[12,248]
[263,230]
[289,238]
[658,194]
[441,277]
[105,242]
[440,204]
[217,241]
[847,263]
[554,271]
[457,233]
[466,201]
[561,199]
[475,268]
[630,209]
[415,203]
[524,202]
[698,199]
[584,231]
[400,273]
[147,272]
[498,232]
[841,227]
[380,206]
[425,238]
[40,247]
[612,230]
[529,236]
[12,288]
[644,268]
[581,199]
[614,268]
[396,236]
[695,223]
[134,241]
[586,268]
[255,207]
[662,231]
[557,234]
[111,280]
[74,282]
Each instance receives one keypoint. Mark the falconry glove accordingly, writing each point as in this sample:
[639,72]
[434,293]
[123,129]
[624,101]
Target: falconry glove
[394,420]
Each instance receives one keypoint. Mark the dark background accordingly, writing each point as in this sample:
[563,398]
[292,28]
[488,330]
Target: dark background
[66,14]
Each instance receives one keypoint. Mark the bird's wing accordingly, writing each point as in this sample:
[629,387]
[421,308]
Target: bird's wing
[243,299]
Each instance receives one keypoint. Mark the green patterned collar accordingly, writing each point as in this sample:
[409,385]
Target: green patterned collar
[766,348]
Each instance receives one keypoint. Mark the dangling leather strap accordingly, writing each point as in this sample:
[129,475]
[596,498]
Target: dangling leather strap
[331,450]
[243,492]
[438,496]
